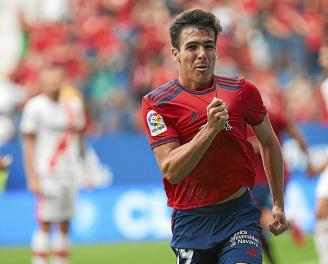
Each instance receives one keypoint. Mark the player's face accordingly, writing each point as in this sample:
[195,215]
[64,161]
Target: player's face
[51,81]
[197,56]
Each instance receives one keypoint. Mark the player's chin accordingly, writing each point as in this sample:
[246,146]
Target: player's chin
[204,78]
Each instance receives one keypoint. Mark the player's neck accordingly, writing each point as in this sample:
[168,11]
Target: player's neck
[53,96]
[196,86]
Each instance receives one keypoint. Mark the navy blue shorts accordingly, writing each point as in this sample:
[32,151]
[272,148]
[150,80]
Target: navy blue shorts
[262,196]
[225,233]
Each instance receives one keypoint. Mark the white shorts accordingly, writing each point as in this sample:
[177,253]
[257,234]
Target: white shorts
[322,185]
[57,200]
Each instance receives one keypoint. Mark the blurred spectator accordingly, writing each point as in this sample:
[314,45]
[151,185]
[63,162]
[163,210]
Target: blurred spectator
[323,60]
[50,10]
[12,97]
[10,35]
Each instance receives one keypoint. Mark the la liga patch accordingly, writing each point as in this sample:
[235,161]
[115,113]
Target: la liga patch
[155,123]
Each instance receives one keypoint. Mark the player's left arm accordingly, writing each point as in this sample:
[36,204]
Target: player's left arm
[273,164]
[81,125]
[82,144]
[296,134]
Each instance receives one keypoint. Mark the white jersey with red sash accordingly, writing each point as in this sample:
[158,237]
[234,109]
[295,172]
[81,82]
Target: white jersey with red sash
[56,126]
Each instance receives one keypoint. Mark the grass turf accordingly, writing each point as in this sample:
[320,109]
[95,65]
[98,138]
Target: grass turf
[157,252]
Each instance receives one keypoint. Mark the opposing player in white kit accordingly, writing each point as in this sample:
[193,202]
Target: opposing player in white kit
[52,133]
[321,229]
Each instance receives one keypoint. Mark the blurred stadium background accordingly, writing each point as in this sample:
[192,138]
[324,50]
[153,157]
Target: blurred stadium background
[115,51]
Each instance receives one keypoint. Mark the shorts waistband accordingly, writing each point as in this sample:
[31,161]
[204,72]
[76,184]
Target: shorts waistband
[237,202]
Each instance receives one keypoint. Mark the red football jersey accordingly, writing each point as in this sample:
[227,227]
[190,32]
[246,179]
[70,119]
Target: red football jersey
[173,112]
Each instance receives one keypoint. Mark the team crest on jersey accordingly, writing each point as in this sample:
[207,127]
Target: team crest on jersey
[155,123]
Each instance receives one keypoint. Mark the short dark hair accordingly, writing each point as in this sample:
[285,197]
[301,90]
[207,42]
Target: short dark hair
[197,17]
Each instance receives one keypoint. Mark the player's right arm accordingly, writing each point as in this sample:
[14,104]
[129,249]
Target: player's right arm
[177,161]
[33,183]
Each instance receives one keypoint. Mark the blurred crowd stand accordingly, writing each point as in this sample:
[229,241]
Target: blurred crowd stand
[114,52]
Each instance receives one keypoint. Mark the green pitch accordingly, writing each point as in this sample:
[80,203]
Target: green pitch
[159,253]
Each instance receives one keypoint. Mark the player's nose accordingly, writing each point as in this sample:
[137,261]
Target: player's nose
[201,54]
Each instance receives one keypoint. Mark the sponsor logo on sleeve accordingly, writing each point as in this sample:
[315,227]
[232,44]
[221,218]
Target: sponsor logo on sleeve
[155,123]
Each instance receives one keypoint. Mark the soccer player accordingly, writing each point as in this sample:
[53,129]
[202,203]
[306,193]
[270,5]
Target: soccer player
[52,133]
[197,128]
[321,232]
[321,229]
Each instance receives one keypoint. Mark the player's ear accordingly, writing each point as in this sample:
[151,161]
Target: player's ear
[175,55]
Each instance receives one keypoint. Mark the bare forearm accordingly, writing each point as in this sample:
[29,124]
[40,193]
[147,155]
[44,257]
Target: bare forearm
[82,145]
[183,159]
[33,182]
[29,158]
[273,164]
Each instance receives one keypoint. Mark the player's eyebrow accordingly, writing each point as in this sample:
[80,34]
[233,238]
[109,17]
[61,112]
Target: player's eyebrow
[200,42]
